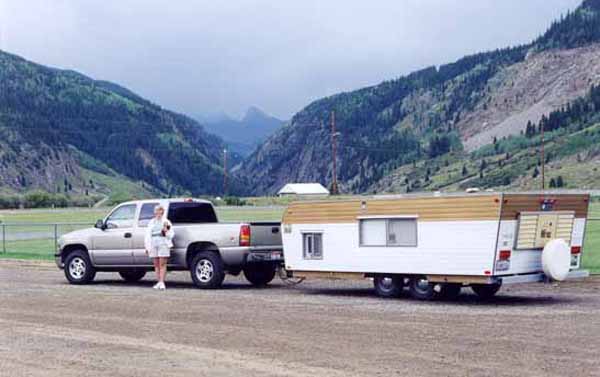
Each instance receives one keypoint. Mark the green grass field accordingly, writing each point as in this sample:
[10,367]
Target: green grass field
[38,242]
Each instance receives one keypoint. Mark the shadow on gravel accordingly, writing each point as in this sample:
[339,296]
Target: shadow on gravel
[235,285]
[465,299]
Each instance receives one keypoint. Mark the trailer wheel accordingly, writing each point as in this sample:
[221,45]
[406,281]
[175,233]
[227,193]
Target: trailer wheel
[422,289]
[259,274]
[486,291]
[388,287]
[207,270]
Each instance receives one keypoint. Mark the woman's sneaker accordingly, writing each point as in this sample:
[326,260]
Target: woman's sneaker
[162,286]
[156,286]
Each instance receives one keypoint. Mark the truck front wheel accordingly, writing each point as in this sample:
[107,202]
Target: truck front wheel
[259,274]
[78,268]
[207,270]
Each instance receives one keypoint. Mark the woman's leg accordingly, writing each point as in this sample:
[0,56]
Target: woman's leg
[156,262]
[163,268]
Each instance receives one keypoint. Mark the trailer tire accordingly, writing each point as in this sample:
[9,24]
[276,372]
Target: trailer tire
[421,289]
[388,287]
[132,276]
[207,270]
[79,268]
[486,291]
[259,274]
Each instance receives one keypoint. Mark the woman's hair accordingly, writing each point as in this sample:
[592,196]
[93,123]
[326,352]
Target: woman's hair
[159,208]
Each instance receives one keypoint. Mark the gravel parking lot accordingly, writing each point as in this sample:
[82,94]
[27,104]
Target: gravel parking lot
[319,328]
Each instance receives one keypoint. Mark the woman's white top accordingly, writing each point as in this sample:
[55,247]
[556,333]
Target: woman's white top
[154,228]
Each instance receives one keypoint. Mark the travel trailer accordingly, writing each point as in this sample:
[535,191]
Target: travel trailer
[438,244]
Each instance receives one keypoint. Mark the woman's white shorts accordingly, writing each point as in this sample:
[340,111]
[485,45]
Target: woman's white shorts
[159,249]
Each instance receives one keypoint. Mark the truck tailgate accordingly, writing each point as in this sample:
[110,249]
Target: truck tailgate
[265,234]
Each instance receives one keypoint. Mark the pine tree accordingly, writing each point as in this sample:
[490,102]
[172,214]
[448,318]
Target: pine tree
[552,183]
[464,170]
[536,172]
[559,181]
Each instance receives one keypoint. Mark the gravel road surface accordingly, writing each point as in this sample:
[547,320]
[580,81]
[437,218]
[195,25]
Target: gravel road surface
[319,328]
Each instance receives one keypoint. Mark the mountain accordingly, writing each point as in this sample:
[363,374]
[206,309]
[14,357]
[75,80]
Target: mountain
[419,131]
[63,131]
[242,136]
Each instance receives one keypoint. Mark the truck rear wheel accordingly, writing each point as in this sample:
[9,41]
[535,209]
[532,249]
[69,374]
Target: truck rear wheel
[79,268]
[131,276]
[207,270]
[388,287]
[486,291]
[259,274]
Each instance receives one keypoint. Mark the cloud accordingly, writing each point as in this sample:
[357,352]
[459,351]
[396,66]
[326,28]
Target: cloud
[209,56]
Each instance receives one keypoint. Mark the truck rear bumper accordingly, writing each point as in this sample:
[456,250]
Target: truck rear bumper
[538,277]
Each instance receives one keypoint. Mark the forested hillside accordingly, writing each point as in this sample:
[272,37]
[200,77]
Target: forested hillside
[61,131]
[399,130]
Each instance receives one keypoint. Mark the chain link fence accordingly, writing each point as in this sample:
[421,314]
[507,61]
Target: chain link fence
[39,240]
[34,240]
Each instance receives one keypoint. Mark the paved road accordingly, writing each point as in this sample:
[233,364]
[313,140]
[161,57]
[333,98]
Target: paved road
[320,328]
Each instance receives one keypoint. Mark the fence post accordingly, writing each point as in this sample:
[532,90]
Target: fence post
[55,238]
[3,238]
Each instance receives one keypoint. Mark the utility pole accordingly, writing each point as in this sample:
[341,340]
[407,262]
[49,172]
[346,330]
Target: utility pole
[224,173]
[543,157]
[334,184]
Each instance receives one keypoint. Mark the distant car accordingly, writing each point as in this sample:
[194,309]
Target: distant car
[207,248]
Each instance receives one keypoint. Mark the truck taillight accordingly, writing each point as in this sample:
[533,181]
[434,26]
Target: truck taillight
[504,255]
[245,235]
[575,250]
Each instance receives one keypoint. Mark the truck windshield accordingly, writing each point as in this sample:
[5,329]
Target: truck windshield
[191,213]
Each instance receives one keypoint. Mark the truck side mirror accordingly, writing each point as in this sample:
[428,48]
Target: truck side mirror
[100,225]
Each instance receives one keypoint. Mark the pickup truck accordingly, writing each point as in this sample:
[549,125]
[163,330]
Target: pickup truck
[202,245]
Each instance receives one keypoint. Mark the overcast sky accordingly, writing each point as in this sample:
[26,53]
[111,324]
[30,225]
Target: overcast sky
[207,56]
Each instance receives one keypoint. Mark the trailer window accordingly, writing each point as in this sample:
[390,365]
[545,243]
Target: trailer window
[388,232]
[312,245]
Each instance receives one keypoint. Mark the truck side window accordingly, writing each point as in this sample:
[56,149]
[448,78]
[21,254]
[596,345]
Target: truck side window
[312,245]
[122,217]
[146,214]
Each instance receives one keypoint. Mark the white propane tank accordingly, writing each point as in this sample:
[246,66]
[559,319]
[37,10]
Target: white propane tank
[556,259]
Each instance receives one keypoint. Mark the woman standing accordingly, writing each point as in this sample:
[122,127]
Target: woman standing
[158,243]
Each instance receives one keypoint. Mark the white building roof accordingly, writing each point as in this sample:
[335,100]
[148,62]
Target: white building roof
[304,189]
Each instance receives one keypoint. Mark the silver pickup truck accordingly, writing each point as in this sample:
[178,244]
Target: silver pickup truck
[202,245]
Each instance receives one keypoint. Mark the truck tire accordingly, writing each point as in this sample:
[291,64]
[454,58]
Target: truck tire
[259,274]
[422,289]
[207,270]
[486,291]
[131,276]
[79,268]
[388,287]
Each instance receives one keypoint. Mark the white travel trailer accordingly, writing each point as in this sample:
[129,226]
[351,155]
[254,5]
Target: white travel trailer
[438,244]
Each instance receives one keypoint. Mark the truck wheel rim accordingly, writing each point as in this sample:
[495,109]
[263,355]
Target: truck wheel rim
[204,270]
[77,268]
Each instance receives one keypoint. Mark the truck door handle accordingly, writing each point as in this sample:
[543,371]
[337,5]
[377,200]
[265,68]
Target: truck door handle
[127,235]
[275,230]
